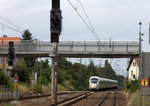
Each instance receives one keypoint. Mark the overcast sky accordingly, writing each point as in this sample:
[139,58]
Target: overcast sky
[117,19]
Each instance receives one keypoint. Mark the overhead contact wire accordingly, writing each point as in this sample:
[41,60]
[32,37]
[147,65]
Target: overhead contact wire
[93,32]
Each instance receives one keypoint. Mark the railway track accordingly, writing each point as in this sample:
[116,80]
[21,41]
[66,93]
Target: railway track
[86,98]
[32,97]
[72,100]
[105,98]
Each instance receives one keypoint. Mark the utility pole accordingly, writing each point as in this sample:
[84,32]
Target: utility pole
[140,53]
[55,28]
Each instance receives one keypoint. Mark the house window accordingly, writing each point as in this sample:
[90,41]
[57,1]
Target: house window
[134,76]
[132,73]
[134,63]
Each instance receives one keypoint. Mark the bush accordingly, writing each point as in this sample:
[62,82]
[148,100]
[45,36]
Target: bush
[44,80]
[37,88]
[132,86]
[7,80]
[23,74]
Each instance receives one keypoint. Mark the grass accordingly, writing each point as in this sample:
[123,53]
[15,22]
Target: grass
[134,99]
[23,88]
[61,88]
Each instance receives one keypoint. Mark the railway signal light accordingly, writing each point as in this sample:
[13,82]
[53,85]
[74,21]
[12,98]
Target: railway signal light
[11,53]
[56,24]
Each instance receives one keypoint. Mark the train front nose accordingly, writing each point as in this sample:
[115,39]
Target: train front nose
[93,86]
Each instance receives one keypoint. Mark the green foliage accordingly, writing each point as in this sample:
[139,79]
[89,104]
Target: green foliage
[79,74]
[36,88]
[27,35]
[132,86]
[120,79]
[43,70]
[30,61]
[91,68]
[73,75]
[43,80]
[61,76]
[108,72]
[5,80]
[23,74]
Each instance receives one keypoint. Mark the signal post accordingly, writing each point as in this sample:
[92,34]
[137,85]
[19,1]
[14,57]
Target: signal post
[11,58]
[55,28]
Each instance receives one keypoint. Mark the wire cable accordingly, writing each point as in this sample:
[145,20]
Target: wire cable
[77,4]
[11,28]
[93,32]
[86,15]
[88,19]
[21,30]
[11,23]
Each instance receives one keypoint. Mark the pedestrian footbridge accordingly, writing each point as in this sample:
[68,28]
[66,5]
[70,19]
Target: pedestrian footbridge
[85,49]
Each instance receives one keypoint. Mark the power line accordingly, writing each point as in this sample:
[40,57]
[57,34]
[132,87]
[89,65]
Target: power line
[93,31]
[81,17]
[11,23]
[11,28]
[77,3]
[89,20]
[21,30]
[83,20]
[86,15]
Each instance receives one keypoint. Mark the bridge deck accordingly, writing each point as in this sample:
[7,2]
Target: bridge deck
[114,49]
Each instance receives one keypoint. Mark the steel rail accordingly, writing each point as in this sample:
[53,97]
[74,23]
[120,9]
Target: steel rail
[103,99]
[72,100]
[32,97]
[114,100]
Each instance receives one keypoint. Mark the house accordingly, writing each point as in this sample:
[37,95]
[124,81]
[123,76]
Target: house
[4,41]
[133,69]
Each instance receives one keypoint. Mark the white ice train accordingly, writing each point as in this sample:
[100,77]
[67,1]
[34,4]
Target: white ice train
[98,83]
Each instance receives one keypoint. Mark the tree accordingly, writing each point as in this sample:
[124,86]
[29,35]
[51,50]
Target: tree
[27,35]
[23,73]
[120,79]
[5,79]
[43,70]
[91,68]
[108,72]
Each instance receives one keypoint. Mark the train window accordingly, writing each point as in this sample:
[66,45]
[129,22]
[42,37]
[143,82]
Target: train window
[94,80]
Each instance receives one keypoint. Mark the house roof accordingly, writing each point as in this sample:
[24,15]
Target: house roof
[131,60]
[137,61]
[5,40]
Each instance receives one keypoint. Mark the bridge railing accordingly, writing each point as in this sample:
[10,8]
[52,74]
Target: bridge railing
[73,46]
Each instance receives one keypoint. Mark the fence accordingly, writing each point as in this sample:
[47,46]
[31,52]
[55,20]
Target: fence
[8,92]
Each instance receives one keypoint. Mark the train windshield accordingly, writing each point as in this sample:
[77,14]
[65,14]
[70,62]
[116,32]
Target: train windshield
[94,80]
